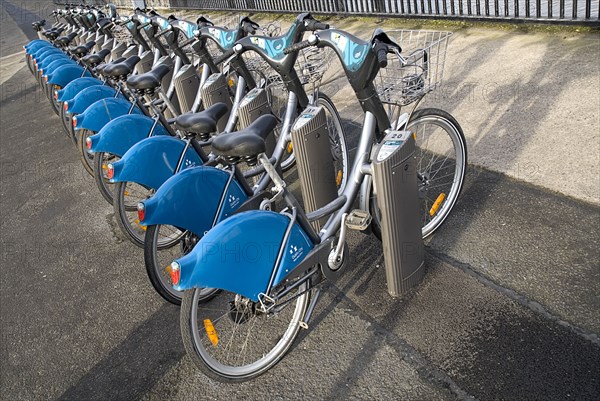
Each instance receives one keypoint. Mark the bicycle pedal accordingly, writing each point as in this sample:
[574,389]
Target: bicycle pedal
[358,220]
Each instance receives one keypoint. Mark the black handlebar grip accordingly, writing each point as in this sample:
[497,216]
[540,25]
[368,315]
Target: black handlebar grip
[224,56]
[314,25]
[297,47]
[381,50]
[321,26]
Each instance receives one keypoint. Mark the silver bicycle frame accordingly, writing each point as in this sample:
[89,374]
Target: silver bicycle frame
[361,167]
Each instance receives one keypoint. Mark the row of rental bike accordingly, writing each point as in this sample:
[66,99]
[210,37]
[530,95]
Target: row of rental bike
[225,161]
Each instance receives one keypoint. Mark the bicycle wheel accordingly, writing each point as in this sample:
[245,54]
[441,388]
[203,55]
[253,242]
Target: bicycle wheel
[66,120]
[337,141]
[125,199]
[101,161]
[231,339]
[56,105]
[87,159]
[158,255]
[441,160]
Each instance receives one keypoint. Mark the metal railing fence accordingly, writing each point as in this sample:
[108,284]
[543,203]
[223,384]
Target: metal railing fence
[586,12]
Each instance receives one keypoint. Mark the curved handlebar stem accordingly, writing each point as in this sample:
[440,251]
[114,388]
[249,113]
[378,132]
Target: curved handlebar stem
[361,64]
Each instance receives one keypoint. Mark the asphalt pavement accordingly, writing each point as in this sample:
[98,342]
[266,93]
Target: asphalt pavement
[509,308]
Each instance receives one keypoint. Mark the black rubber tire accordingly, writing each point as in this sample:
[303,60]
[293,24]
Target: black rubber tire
[121,211]
[460,145]
[87,159]
[104,186]
[155,268]
[270,356]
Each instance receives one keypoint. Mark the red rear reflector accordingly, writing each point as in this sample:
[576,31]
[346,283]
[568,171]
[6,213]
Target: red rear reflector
[175,273]
[141,209]
[110,173]
[66,106]
[74,121]
[55,95]
[88,143]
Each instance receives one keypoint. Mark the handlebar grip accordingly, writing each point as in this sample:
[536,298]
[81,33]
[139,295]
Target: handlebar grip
[381,51]
[297,47]
[314,25]
[224,56]
[320,26]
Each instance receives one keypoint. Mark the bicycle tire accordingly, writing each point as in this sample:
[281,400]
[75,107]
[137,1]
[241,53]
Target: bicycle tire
[240,317]
[337,140]
[56,105]
[419,122]
[66,120]
[157,266]
[105,187]
[87,159]
[126,211]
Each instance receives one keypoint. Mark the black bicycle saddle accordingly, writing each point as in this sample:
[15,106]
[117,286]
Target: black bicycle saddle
[247,142]
[82,50]
[149,80]
[203,122]
[64,41]
[100,68]
[121,69]
[92,60]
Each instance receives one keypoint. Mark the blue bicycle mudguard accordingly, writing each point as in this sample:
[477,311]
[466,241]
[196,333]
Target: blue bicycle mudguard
[153,160]
[191,199]
[67,73]
[91,95]
[35,45]
[52,63]
[98,114]
[44,52]
[123,132]
[239,254]
[76,86]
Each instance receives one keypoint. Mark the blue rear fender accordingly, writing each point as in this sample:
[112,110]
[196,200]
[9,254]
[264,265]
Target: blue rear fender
[239,254]
[76,86]
[35,45]
[44,52]
[192,198]
[67,73]
[52,62]
[87,96]
[153,161]
[98,114]
[120,134]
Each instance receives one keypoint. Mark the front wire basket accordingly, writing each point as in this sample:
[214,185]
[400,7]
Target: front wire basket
[417,70]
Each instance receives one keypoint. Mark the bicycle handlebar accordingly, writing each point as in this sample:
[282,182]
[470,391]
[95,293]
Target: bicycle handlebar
[224,56]
[297,47]
[381,50]
[314,25]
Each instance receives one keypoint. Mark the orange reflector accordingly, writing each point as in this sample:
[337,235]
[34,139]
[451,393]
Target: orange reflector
[338,178]
[140,224]
[290,147]
[436,205]
[211,332]
[415,136]
[231,82]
